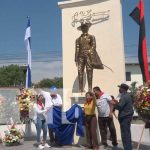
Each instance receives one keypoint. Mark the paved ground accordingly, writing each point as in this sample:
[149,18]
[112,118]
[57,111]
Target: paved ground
[30,145]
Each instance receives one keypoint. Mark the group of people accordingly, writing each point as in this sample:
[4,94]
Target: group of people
[106,106]
[87,57]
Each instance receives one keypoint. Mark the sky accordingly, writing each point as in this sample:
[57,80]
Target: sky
[46,41]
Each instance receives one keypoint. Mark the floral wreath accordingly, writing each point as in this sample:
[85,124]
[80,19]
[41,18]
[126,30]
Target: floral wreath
[141,97]
[25,99]
[13,136]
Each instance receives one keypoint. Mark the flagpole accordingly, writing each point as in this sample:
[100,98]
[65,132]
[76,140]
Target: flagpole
[27,39]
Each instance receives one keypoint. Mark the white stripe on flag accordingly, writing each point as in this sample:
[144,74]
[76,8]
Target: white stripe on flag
[28,33]
[28,47]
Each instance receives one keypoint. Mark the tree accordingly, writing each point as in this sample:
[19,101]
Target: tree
[133,89]
[46,83]
[11,75]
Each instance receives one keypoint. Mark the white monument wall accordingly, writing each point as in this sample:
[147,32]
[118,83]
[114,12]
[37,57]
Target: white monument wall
[110,46]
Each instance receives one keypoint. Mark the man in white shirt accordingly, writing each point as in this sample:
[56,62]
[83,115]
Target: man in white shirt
[55,97]
[105,117]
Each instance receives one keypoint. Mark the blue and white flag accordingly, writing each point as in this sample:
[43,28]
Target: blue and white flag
[27,40]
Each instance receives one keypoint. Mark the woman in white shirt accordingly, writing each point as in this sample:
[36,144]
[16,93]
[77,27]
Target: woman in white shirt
[40,121]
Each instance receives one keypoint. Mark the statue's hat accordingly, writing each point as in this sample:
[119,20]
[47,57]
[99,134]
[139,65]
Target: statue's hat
[84,24]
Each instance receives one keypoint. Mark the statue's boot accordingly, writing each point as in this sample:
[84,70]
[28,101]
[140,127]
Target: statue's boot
[81,89]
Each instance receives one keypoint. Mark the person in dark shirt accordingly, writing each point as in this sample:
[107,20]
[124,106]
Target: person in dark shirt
[125,108]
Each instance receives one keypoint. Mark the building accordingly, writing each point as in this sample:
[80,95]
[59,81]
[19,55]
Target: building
[133,71]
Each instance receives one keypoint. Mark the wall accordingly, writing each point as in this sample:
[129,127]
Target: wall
[135,73]
[106,17]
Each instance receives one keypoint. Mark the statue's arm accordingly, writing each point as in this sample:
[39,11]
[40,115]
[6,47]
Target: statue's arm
[93,43]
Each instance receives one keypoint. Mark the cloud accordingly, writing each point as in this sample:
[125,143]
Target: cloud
[42,70]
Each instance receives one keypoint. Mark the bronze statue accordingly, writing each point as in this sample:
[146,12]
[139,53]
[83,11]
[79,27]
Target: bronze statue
[86,56]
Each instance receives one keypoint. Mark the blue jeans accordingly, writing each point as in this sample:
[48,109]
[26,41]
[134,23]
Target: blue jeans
[41,124]
[125,124]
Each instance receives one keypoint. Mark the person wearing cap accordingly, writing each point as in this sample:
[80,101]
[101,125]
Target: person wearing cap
[125,108]
[86,55]
[40,121]
[56,102]
[105,116]
[55,97]
[52,99]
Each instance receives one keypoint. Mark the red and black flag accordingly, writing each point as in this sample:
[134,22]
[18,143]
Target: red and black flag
[138,16]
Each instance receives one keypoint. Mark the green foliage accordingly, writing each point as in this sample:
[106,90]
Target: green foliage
[133,89]
[46,83]
[11,75]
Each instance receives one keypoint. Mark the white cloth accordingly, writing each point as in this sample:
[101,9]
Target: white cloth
[38,113]
[103,105]
[48,99]
[57,101]
[50,102]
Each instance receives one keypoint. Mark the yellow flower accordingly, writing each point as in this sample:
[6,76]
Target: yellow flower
[21,108]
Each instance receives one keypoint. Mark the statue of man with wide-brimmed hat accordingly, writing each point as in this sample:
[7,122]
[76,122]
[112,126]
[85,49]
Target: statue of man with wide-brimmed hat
[86,55]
